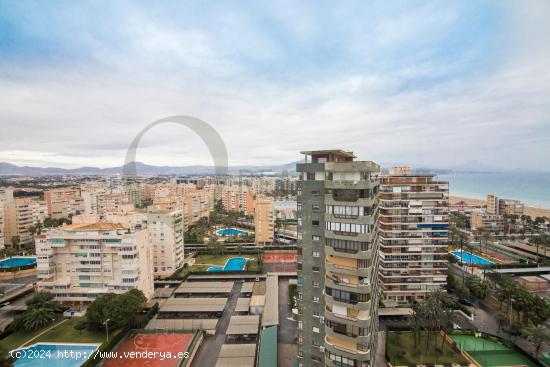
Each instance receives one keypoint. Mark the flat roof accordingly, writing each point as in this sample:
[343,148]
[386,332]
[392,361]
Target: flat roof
[99,226]
[394,311]
[338,152]
[193,304]
[258,288]
[247,287]
[205,287]
[239,325]
[243,304]
[268,347]
[542,269]
[163,292]
[237,355]
[182,324]
[216,276]
[271,307]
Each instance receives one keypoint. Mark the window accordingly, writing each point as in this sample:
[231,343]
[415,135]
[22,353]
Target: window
[316,299]
[315,207]
[315,254]
[315,284]
[315,268]
[351,247]
[315,192]
[314,222]
[315,238]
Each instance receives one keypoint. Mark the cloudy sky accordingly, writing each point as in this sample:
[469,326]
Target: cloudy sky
[435,83]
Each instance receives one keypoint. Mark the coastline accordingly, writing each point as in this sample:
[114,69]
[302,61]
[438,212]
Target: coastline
[532,211]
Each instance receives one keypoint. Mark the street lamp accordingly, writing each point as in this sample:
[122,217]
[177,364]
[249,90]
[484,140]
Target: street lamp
[106,323]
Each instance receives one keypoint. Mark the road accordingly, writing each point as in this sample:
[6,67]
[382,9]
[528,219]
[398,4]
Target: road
[287,348]
[212,345]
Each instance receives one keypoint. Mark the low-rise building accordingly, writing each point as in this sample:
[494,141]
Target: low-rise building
[492,222]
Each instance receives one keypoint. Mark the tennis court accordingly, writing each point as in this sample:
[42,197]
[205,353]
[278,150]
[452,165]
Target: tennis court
[280,257]
[169,350]
[489,353]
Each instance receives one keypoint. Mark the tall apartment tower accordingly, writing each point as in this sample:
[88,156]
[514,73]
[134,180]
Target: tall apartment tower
[166,236]
[338,260]
[413,234]
[264,221]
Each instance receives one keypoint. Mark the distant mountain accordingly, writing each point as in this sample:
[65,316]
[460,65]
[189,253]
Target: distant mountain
[145,169]
[277,169]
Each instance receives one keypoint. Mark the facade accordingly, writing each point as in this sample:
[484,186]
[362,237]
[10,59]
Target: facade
[64,202]
[6,196]
[492,222]
[498,206]
[20,215]
[166,229]
[413,226]
[338,260]
[237,198]
[79,262]
[264,222]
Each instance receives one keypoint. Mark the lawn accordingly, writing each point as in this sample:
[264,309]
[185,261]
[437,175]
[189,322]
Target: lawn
[65,333]
[14,340]
[401,352]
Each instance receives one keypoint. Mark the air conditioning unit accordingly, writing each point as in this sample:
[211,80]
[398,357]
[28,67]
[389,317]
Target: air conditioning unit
[322,319]
[321,348]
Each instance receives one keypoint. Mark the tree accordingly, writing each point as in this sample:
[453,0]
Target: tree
[120,309]
[15,240]
[538,335]
[36,318]
[80,325]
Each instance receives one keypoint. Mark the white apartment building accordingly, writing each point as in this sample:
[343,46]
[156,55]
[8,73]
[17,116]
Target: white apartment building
[166,229]
[79,262]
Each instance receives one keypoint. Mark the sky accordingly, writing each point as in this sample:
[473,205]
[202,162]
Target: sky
[430,83]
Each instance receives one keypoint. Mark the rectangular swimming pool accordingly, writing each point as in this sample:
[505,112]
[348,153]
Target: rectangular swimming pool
[232,264]
[469,258]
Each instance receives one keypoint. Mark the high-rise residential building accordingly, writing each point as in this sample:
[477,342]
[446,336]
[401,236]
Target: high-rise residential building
[134,192]
[338,260]
[113,203]
[6,196]
[264,221]
[413,234]
[78,262]
[237,198]
[166,229]
[498,206]
[64,202]
[20,215]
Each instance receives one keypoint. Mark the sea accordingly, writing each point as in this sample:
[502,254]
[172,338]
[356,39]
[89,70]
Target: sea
[531,188]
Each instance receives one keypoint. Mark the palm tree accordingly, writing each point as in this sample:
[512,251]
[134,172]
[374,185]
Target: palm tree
[36,318]
[446,321]
[462,239]
[417,322]
[538,335]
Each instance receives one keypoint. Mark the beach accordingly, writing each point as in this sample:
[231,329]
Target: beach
[529,210]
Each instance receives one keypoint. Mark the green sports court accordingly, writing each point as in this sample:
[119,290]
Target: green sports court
[490,353]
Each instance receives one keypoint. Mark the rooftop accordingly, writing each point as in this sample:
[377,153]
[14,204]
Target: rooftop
[99,226]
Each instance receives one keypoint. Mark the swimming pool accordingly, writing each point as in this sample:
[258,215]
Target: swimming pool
[58,355]
[15,262]
[231,232]
[232,264]
[469,258]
